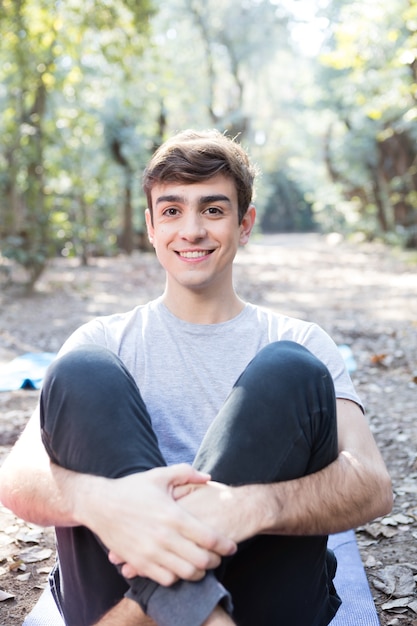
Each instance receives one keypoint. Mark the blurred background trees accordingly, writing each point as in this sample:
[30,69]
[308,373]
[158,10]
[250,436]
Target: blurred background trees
[321,92]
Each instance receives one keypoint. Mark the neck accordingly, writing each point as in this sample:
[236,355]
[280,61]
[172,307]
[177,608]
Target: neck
[202,308]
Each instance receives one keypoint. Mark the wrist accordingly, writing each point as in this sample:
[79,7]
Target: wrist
[260,507]
[86,498]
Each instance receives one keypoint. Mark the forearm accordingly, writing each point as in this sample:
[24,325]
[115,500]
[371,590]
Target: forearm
[37,490]
[39,493]
[352,490]
[341,496]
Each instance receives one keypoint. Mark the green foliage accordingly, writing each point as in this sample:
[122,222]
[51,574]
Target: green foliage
[89,88]
[370,71]
[57,63]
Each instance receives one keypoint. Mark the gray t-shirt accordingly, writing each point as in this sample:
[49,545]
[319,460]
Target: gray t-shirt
[185,371]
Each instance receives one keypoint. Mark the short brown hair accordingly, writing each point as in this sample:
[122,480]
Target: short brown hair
[194,156]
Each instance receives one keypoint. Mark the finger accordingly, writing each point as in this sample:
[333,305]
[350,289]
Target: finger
[161,575]
[205,537]
[181,473]
[114,558]
[187,550]
[173,568]
[128,571]
[179,491]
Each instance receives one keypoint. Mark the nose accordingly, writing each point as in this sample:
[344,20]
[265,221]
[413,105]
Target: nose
[192,227]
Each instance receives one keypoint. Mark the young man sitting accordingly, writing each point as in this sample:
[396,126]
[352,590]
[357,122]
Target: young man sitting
[194,453]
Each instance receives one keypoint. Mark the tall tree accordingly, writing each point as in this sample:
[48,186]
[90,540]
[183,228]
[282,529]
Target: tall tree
[237,39]
[50,51]
[370,77]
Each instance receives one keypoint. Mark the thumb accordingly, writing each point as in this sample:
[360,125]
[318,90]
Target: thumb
[182,474]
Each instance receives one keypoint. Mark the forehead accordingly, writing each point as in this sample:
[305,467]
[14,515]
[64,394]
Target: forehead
[188,192]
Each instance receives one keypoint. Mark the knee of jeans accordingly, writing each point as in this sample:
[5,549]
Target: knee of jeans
[87,362]
[286,355]
[288,367]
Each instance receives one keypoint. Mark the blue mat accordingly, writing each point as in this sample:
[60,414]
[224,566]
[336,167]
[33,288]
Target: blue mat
[26,371]
[358,608]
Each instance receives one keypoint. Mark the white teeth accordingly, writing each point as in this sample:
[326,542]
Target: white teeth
[195,254]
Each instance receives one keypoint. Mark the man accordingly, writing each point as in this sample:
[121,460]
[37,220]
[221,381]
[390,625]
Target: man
[196,451]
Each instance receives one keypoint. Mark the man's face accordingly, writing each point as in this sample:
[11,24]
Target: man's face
[195,231]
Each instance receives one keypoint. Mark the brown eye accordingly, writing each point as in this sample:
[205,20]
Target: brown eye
[171,211]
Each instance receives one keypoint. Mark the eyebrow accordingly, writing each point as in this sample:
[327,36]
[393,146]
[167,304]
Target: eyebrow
[217,197]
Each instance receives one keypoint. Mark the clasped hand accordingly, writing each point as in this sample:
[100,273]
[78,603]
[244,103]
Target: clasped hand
[146,529]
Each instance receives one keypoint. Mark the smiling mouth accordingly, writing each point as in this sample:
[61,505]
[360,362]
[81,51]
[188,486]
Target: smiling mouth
[194,254]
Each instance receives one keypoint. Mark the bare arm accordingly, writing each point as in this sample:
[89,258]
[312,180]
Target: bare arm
[137,516]
[354,489]
[32,487]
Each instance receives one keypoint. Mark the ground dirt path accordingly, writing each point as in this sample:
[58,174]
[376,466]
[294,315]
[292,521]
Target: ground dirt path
[364,295]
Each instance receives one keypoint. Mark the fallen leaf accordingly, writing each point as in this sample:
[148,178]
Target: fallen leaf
[400,603]
[13,565]
[413,606]
[395,580]
[4,595]
[5,540]
[378,359]
[31,536]
[35,554]
[371,561]
[398,518]
[407,487]
[380,530]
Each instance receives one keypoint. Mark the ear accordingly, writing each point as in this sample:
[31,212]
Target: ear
[247,224]
[149,225]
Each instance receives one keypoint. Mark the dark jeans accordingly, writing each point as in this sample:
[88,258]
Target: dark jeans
[278,423]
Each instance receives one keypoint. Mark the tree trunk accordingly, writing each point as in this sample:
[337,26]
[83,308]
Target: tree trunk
[127,235]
